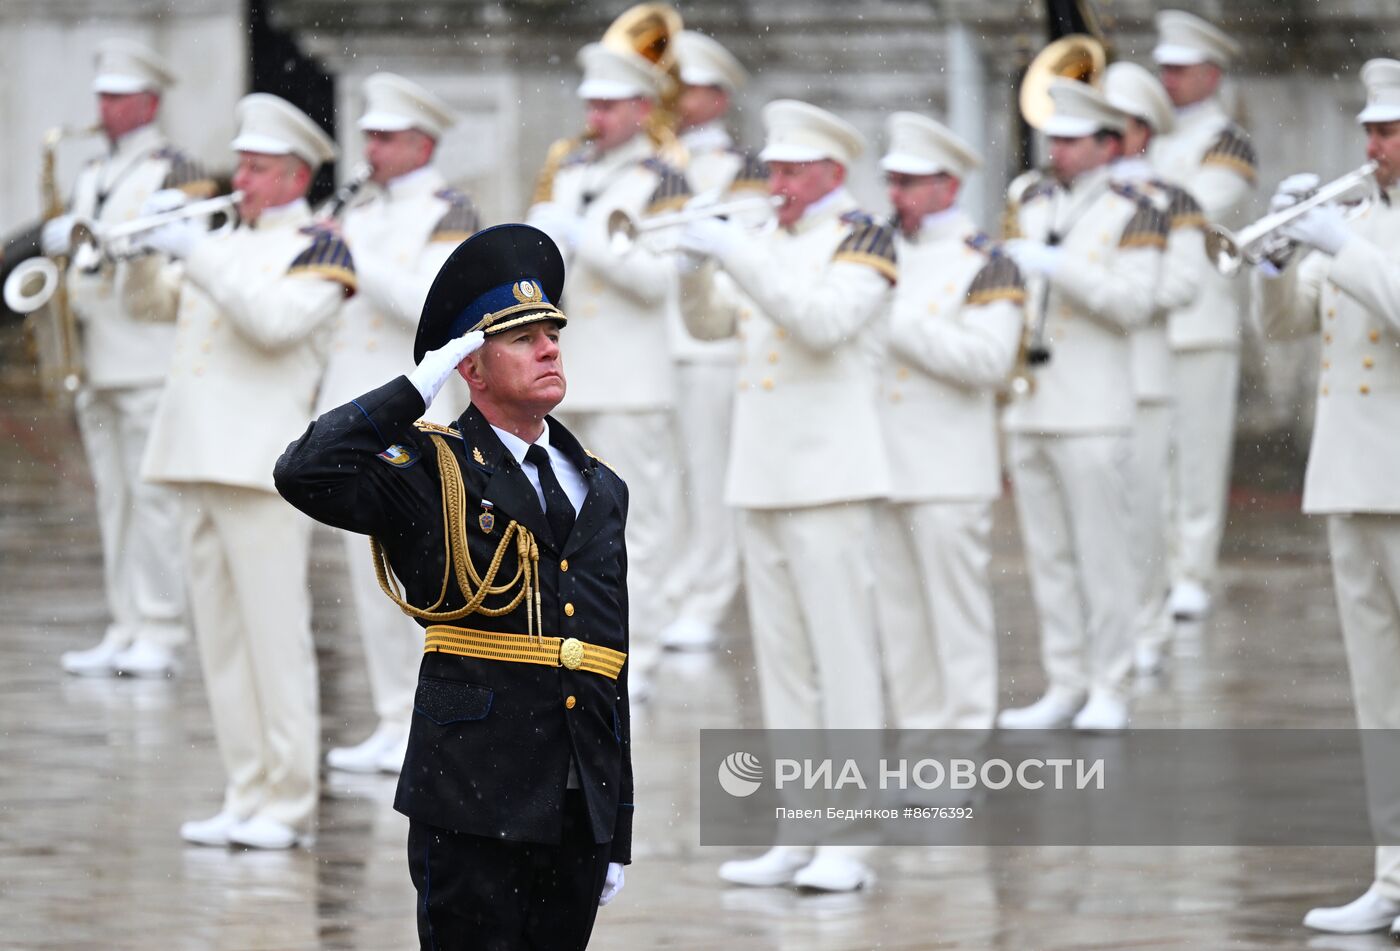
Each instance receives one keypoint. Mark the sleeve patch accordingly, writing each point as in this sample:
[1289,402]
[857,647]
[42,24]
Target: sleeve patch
[327,257]
[460,221]
[870,243]
[400,456]
[1233,150]
[671,191]
[1147,228]
[999,280]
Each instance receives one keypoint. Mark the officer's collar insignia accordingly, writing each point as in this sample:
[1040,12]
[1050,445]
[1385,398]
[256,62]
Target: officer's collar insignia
[477,457]
[487,518]
[399,456]
[527,292]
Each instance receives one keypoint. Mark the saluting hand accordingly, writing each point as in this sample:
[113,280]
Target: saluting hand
[437,365]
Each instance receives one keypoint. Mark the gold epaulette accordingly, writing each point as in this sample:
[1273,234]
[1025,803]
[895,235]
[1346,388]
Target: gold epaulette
[424,426]
[460,221]
[1183,211]
[672,190]
[870,243]
[1147,228]
[1232,150]
[999,280]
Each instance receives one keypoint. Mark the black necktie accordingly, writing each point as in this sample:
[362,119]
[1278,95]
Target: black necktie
[558,510]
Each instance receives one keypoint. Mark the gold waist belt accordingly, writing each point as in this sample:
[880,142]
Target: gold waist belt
[567,652]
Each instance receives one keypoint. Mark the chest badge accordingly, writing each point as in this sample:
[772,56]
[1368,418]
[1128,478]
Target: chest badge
[487,518]
[399,456]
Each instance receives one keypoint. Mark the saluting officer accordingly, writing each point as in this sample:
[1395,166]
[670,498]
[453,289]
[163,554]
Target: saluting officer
[1094,252]
[1137,92]
[507,541]
[705,575]
[126,353]
[806,460]
[400,228]
[952,338]
[255,310]
[623,305]
[1345,284]
[1210,156]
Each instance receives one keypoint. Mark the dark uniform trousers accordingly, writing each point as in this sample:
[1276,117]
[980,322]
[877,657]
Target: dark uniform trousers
[502,854]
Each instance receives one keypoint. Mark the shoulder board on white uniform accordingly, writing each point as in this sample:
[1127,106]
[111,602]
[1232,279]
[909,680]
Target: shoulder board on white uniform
[672,190]
[1143,196]
[1149,225]
[185,173]
[999,279]
[870,242]
[752,174]
[326,257]
[1183,211]
[460,221]
[1232,150]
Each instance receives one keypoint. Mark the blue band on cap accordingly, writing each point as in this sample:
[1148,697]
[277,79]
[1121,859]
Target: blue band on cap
[501,297]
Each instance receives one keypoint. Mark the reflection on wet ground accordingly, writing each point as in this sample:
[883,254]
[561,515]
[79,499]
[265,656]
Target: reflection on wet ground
[98,775]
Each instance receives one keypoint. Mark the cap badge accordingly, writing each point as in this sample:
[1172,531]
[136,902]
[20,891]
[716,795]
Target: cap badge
[527,292]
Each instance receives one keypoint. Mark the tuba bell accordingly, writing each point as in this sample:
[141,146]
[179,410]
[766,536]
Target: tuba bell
[1078,56]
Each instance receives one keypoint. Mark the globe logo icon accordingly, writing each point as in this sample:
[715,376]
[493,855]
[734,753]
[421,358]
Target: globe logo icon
[740,774]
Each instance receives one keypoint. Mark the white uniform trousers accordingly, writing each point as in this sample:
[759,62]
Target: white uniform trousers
[138,521]
[1205,385]
[1152,435]
[247,560]
[641,448]
[1366,576]
[393,641]
[1072,503]
[934,605]
[706,572]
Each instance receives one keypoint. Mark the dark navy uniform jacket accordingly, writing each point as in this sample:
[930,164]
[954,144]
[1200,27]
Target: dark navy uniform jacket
[490,744]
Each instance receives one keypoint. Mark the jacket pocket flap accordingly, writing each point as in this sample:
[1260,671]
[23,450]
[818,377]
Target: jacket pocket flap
[449,701]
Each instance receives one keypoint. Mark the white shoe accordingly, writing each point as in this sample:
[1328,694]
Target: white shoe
[834,873]
[212,831]
[391,760]
[1103,713]
[97,661]
[1054,711]
[1371,912]
[144,659]
[364,757]
[1147,660]
[688,634]
[777,866]
[1188,601]
[261,833]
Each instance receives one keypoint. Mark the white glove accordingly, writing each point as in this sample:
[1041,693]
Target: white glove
[1034,258]
[177,238]
[708,238]
[1324,228]
[613,885]
[56,237]
[1292,190]
[430,375]
[559,223]
[166,199]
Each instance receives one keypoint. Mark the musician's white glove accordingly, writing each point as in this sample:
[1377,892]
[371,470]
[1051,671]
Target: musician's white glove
[437,365]
[1324,228]
[1292,190]
[56,237]
[708,238]
[1034,258]
[559,223]
[613,885]
[163,200]
[175,238]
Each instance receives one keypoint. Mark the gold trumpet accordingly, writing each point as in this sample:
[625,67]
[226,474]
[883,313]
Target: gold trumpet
[649,30]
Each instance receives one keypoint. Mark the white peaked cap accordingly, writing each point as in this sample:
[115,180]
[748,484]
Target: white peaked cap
[921,146]
[1081,110]
[394,104]
[273,126]
[1184,39]
[124,67]
[615,74]
[1381,77]
[800,132]
[704,62]
[1133,89]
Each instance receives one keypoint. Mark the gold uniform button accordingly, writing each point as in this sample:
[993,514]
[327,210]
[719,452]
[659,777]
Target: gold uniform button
[1326,338]
[895,397]
[569,609]
[773,356]
[743,385]
[1324,391]
[1326,364]
[1365,389]
[1375,336]
[902,373]
[932,308]
[570,702]
[767,382]
[949,288]
[1331,313]
[781,333]
[564,565]
[1368,363]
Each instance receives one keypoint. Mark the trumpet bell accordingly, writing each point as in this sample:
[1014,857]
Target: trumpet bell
[1223,251]
[30,285]
[1077,56]
[622,232]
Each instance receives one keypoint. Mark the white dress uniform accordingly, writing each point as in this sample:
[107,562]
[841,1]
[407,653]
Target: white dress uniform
[126,353]
[622,383]
[399,235]
[1353,301]
[1210,156]
[1070,437]
[256,308]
